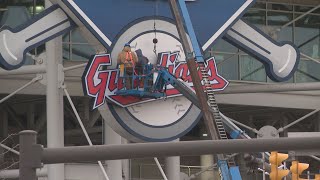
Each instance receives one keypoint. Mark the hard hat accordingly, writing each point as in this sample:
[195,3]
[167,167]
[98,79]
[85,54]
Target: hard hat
[127,45]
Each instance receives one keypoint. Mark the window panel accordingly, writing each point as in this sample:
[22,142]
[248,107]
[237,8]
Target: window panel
[255,17]
[276,20]
[251,69]
[224,46]
[259,5]
[308,71]
[66,54]
[280,7]
[76,37]
[307,35]
[76,48]
[227,65]
[81,52]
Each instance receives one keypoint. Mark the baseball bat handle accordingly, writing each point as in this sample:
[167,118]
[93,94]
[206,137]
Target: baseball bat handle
[279,58]
[15,43]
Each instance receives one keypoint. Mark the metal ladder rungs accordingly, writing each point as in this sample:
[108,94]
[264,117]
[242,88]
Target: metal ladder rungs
[213,104]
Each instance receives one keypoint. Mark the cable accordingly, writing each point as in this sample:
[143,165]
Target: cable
[13,148]
[10,166]
[155,40]
[8,138]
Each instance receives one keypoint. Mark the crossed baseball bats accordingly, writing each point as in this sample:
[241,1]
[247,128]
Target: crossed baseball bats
[280,58]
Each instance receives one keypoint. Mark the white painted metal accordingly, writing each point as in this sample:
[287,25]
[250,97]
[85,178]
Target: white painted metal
[55,121]
[21,88]
[74,67]
[125,163]
[160,169]
[172,167]
[268,132]
[270,87]
[84,130]
[271,100]
[35,69]
[114,168]
[282,57]
[303,134]
[310,58]
[316,158]
[245,126]
[9,149]
[298,121]
[205,161]
[14,173]
[30,69]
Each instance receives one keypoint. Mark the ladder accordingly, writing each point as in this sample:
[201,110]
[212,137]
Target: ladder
[213,104]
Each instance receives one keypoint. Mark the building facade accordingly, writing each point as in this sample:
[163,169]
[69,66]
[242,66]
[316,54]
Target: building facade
[284,20]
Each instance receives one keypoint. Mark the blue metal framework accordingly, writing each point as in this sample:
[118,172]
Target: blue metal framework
[145,82]
[191,32]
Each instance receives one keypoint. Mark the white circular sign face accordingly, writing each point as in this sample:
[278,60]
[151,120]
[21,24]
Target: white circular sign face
[158,120]
[160,112]
[166,43]
[175,107]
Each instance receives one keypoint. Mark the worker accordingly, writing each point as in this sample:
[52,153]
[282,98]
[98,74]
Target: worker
[141,65]
[128,60]
[142,61]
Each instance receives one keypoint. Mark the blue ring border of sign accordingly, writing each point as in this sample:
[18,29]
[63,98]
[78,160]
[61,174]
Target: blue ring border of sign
[147,139]
[189,108]
[112,108]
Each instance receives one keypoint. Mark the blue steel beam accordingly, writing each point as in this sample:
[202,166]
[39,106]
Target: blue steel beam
[191,32]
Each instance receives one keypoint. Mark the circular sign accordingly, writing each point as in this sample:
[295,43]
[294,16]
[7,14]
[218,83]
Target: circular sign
[156,120]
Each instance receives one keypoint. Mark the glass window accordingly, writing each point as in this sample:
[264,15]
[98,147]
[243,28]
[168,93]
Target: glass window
[257,17]
[306,2]
[252,69]
[227,65]
[224,46]
[82,52]
[302,8]
[75,47]
[76,37]
[307,32]
[308,71]
[77,52]
[276,21]
[280,7]
[259,5]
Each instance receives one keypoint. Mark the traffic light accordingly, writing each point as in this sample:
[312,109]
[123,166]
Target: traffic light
[275,160]
[297,169]
[317,177]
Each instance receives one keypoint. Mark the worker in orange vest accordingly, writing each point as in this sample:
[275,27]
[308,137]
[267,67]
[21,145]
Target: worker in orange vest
[128,59]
